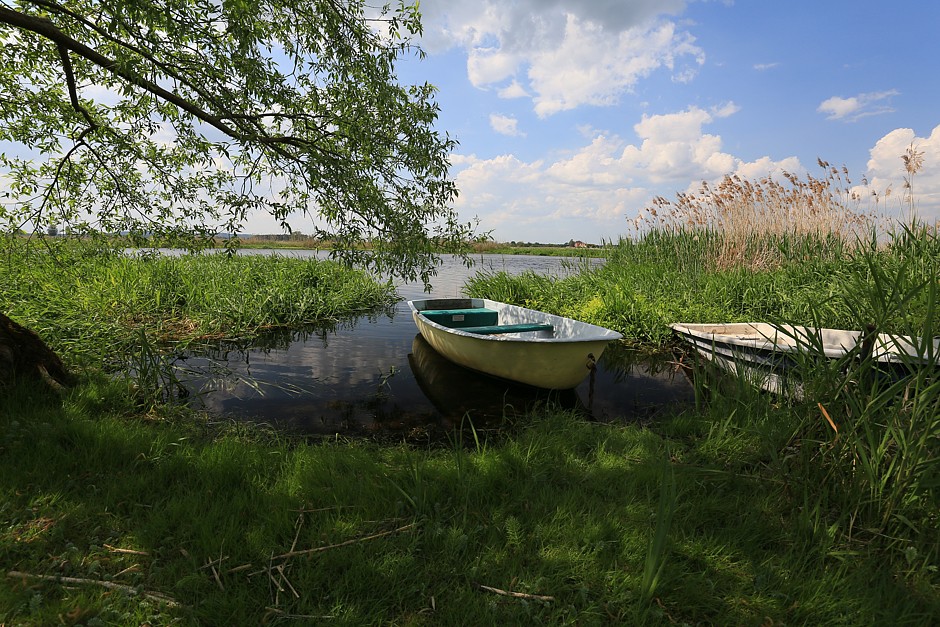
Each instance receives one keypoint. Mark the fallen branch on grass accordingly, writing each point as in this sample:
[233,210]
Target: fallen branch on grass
[516,595]
[320,549]
[115,549]
[155,596]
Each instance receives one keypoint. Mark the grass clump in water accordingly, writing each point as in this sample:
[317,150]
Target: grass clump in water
[91,302]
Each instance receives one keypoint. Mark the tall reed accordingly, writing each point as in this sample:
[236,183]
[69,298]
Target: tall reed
[869,439]
[762,224]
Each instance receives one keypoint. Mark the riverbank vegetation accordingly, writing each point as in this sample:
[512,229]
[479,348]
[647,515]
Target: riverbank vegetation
[481,244]
[857,457]
[745,509]
[92,302]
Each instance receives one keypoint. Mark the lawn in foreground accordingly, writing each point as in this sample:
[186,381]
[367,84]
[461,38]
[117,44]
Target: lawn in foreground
[559,521]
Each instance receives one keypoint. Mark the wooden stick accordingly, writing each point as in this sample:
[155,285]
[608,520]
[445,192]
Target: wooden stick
[218,580]
[341,544]
[156,596]
[280,571]
[517,595]
[238,569]
[277,584]
[284,614]
[212,563]
[115,549]
[130,569]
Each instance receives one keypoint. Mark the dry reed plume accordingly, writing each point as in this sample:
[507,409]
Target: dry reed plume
[750,220]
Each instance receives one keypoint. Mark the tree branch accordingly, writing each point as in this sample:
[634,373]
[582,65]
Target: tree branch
[73,95]
[47,29]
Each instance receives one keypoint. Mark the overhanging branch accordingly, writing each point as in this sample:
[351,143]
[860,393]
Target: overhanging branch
[47,29]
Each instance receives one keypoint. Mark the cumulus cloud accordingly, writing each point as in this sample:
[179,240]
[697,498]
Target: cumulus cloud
[513,90]
[565,53]
[886,171]
[856,107]
[505,125]
[590,192]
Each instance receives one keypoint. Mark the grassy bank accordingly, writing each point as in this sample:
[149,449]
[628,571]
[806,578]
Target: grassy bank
[191,523]
[489,247]
[91,302]
[746,509]
[502,248]
[858,457]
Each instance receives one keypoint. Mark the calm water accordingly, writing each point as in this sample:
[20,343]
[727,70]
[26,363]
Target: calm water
[376,376]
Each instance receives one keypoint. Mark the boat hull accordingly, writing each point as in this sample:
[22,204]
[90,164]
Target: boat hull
[769,355]
[558,359]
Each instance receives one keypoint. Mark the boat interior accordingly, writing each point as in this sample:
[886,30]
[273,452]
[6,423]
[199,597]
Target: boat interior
[480,320]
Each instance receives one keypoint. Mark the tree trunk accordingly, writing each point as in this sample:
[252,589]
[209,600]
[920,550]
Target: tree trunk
[24,354]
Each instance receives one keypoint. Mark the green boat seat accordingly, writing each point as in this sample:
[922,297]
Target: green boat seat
[460,318]
[509,328]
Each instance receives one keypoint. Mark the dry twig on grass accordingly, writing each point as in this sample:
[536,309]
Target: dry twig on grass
[155,596]
[320,549]
[115,549]
[517,595]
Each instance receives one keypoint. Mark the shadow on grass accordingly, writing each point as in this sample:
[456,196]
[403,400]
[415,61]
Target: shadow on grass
[565,509]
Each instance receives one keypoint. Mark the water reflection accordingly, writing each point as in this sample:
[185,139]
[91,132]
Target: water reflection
[373,376]
[457,392]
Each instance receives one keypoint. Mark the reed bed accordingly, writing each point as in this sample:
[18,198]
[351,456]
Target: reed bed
[766,223]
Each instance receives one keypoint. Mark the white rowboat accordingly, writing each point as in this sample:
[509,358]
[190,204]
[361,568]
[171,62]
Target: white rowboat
[511,342]
[767,353]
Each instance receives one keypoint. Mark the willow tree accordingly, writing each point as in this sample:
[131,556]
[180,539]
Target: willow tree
[183,117]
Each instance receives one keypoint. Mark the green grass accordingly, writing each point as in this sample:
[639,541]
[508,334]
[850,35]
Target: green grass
[562,508]
[82,297]
[648,284]
[746,509]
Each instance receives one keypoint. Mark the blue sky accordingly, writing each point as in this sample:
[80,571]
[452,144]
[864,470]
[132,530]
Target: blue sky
[572,114]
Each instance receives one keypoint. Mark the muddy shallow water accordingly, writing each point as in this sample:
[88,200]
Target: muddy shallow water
[375,375]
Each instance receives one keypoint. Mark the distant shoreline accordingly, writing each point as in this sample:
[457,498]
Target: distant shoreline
[493,248]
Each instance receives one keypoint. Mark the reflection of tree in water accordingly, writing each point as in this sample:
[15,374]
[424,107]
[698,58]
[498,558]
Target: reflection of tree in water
[282,338]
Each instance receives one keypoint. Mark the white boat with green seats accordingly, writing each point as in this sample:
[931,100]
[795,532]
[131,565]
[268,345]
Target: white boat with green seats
[511,342]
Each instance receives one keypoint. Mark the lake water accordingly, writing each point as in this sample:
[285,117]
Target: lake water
[376,376]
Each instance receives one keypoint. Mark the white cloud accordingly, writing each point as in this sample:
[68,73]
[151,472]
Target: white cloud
[514,90]
[589,193]
[886,171]
[763,67]
[856,107]
[726,110]
[765,166]
[486,66]
[592,67]
[505,125]
[565,53]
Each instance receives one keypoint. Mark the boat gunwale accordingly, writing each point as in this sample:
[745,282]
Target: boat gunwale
[888,345]
[604,334]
